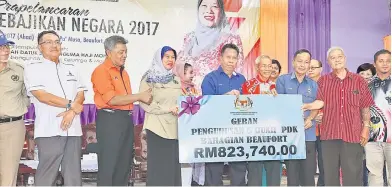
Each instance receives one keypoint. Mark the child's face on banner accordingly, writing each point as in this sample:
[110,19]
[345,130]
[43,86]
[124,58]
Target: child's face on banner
[209,13]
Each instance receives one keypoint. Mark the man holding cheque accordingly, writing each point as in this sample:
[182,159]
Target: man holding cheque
[224,81]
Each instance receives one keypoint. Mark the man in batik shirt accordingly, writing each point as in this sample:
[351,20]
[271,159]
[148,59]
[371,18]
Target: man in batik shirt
[379,147]
[262,85]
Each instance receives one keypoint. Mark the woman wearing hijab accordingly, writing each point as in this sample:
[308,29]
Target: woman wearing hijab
[202,46]
[190,172]
[160,123]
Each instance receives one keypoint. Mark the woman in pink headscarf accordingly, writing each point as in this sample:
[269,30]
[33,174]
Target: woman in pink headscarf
[189,172]
[186,74]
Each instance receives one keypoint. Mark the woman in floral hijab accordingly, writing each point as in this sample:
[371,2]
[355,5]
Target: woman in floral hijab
[160,123]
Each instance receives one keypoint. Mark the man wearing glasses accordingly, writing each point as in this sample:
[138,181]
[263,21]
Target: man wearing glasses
[316,67]
[13,105]
[57,92]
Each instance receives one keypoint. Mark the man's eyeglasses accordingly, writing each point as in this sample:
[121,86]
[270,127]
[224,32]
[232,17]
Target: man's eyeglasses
[57,42]
[313,68]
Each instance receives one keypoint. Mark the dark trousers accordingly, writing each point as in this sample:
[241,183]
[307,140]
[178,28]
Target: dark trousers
[115,147]
[255,173]
[348,156]
[214,172]
[53,152]
[365,174]
[163,165]
[301,172]
[320,181]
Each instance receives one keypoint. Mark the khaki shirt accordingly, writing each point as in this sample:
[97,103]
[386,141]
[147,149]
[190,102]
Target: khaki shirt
[158,118]
[13,97]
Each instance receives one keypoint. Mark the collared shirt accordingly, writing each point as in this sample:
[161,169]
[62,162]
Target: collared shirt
[343,101]
[258,86]
[62,80]
[158,118]
[108,81]
[218,82]
[381,111]
[13,97]
[289,84]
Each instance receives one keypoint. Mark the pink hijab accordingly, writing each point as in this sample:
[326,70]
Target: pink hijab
[179,71]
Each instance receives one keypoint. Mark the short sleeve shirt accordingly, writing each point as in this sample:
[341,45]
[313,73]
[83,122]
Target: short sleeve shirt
[289,84]
[62,80]
[218,83]
[13,98]
[380,130]
[343,100]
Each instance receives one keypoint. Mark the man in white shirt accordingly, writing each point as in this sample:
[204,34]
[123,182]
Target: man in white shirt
[57,92]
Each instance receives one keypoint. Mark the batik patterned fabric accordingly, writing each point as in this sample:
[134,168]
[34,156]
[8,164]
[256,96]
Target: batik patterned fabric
[381,111]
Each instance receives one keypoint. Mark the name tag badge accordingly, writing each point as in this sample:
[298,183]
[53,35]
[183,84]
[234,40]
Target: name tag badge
[355,92]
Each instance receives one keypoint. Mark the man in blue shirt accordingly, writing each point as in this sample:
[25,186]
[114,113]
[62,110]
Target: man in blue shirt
[224,81]
[301,172]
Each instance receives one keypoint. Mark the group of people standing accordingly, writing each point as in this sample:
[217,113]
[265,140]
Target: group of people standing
[345,116]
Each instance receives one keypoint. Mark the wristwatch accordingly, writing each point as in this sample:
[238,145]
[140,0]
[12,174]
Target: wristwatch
[69,104]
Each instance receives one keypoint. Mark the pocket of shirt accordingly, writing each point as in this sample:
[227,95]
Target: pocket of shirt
[353,99]
[308,98]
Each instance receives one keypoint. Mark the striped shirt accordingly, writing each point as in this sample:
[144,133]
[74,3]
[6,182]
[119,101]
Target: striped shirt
[343,101]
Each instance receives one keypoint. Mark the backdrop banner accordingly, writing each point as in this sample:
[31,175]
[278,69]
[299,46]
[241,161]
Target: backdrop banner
[196,31]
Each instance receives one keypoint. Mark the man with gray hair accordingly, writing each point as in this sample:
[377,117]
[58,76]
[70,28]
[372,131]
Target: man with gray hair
[114,100]
[262,84]
[344,129]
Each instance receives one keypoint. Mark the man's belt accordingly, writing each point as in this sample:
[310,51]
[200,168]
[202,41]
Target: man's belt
[11,119]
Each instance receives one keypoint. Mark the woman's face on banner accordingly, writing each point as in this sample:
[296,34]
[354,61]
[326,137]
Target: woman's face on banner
[209,13]
[168,60]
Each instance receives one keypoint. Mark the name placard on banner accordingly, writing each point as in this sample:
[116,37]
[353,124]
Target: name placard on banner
[227,128]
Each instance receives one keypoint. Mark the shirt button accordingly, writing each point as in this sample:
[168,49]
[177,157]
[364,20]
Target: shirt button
[342,97]
[342,106]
